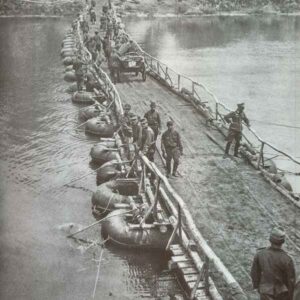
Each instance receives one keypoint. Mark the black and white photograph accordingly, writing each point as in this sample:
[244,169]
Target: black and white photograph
[150,149]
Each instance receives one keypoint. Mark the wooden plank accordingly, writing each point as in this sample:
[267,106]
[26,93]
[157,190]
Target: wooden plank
[179,258]
[191,285]
[189,271]
[190,277]
[185,264]
[176,247]
[177,252]
[201,294]
[122,205]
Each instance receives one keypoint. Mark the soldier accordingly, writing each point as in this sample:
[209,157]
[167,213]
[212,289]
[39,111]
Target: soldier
[153,119]
[126,124]
[136,130]
[273,271]
[235,119]
[297,290]
[148,141]
[171,148]
[98,41]
[79,73]
[114,66]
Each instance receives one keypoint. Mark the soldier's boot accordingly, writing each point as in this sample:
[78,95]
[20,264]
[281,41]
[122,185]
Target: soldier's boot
[236,149]
[168,167]
[227,148]
[174,173]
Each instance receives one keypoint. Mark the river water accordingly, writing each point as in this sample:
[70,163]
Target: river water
[41,156]
[250,59]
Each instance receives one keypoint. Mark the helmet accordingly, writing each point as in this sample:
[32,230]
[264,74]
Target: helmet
[277,235]
[127,106]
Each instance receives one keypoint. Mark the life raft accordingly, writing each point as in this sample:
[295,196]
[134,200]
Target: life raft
[113,192]
[68,60]
[282,181]
[69,68]
[101,126]
[270,166]
[68,53]
[117,228]
[108,171]
[70,76]
[83,97]
[72,88]
[101,154]
[90,112]
[67,48]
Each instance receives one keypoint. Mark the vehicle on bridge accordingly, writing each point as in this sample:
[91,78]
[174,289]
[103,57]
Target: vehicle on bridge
[130,63]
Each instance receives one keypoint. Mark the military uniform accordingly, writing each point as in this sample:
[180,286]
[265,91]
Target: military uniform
[79,73]
[235,119]
[98,42]
[171,145]
[137,133]
[148,143]
[273,274]
[154,121]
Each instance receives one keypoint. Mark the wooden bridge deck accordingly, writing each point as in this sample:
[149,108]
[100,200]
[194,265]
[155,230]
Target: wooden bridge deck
[232,205]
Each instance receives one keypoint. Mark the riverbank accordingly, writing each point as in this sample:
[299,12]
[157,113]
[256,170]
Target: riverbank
[41,9]
[158,8]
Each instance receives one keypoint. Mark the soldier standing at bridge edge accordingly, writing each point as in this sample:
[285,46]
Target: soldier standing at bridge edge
[235,118]
[171,148]
[273,271]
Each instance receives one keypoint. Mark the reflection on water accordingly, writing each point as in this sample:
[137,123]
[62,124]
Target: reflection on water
[40,152]
[251,59]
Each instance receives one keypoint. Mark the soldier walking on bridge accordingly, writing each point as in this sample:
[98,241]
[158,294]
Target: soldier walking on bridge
[171,148]
[235,119]
[153,119]
[273,271]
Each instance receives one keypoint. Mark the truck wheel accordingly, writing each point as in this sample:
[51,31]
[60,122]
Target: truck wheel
[144,75]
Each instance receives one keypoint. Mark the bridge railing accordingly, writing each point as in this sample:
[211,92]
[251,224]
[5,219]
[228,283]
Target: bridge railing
[201,97]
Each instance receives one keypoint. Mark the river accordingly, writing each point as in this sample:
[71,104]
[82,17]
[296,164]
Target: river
[250,59]
[41,157]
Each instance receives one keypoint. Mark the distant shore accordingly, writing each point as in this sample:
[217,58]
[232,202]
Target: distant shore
[154,8]
[172,8]
[15,8]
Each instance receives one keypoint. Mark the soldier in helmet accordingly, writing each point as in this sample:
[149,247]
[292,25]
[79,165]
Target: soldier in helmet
[235,119]
[153,119]
[79,72]
[273,271]
[136,130]
[171,148]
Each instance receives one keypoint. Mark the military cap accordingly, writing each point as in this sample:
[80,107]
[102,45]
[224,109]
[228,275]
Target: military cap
[144,122]
[152,104]
[169,123]
[127,106]
[242,105]
[134,118]
[277,235]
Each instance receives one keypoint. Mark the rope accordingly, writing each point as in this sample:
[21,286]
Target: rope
[98,272]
